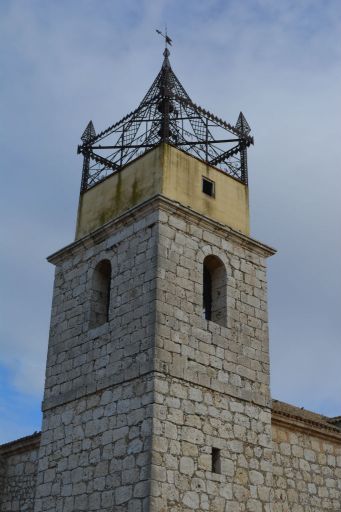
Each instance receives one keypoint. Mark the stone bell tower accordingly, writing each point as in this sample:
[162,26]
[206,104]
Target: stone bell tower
[157,381]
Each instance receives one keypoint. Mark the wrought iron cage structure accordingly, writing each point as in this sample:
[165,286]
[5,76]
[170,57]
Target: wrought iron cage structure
[166,114]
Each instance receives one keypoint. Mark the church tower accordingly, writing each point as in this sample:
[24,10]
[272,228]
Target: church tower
[157,382]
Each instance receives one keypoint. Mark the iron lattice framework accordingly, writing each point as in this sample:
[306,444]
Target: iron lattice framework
[166,114]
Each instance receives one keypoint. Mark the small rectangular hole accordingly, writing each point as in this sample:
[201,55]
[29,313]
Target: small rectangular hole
[216,461]
[208,187]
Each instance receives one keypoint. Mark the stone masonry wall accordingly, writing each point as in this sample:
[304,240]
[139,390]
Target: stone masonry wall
[2,476]
[190,420]
[81,359]
[213,381]
[232,359]
[156,332]
[95,452]
[19,481]
[96,434]
[306,472]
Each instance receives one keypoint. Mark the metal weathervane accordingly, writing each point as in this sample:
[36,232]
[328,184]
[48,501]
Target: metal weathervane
[166,114]
[165,36]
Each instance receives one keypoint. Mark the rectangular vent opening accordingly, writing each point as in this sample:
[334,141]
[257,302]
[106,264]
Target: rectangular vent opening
[216,461]
[208,187]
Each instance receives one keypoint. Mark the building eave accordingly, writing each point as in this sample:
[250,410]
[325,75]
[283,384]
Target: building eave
[291,419]
[22,444]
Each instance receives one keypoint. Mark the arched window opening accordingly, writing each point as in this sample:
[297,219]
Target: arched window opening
[100,294]
[214,290]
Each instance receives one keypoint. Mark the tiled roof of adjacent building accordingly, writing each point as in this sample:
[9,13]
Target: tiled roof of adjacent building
[303,416]
[21,444]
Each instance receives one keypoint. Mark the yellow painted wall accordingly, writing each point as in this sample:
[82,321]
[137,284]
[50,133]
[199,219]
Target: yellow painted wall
[118,193]
[174,174]
[182,181]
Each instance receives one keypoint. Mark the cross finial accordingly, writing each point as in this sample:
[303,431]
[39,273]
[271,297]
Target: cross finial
[166,37]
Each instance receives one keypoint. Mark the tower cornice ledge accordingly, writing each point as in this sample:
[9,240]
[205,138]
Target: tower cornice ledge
[154,205]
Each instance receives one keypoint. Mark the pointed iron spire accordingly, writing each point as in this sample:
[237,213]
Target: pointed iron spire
[89,132]
[242,125]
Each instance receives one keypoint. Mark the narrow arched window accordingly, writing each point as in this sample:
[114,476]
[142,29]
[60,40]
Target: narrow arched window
[100,294]
[214,290]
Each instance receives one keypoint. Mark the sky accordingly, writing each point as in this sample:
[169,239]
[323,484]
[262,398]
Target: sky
[65,62]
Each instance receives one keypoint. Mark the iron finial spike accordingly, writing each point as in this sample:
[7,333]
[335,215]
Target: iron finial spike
[242,125]
[89,132]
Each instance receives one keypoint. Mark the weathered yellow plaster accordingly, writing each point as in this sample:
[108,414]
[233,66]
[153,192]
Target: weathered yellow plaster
[120,192]
[182,181]
[174,174]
